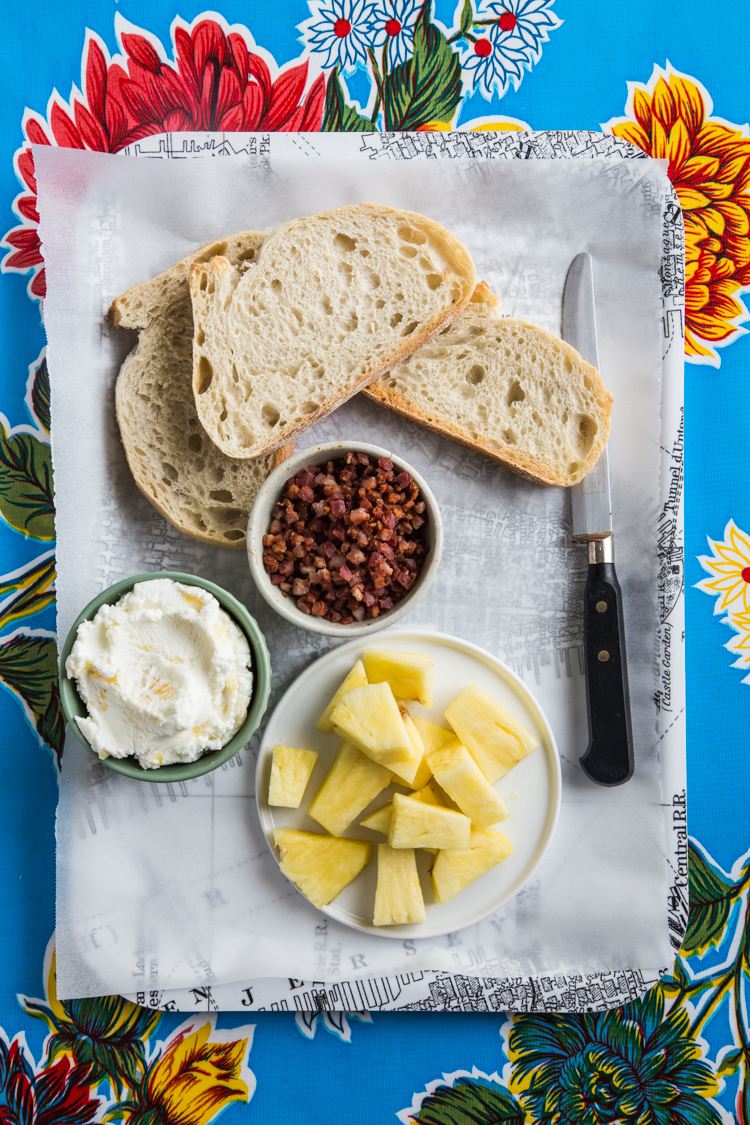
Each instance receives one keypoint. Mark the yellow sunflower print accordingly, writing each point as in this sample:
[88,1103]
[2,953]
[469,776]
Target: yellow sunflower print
[709,166]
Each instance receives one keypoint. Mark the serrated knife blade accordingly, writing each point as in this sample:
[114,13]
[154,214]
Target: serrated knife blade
[592,507]
[609,757]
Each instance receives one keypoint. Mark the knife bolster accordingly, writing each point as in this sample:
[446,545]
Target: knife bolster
[601,550]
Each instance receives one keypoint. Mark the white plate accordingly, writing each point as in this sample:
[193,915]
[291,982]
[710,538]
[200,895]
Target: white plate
[531,790]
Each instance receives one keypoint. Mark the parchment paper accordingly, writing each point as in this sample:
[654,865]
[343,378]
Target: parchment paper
[163,887]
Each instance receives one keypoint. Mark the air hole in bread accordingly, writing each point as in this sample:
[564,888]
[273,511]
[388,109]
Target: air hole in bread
[198,521]
[246,255]
[587,382]
[573,467]
[205,375]
[568,365]
[199,464]
[344,244]
[214,251]
[276,285]
[434,280]
[297,315]
[408,234]
[399,296]
[325,304]
[584,433]
[380,304]
[223,415]
[169,470]
[167,481]
[475,374]
[195,441]
[407,252]
[351,322]
[204,280]
[516,393]
[200,337]
[234,535]
[235,374]
[365,253]
[221,494]
[564,417]
[270,414]
[212,286]
[396,319]
[409,328]
[226,515]
[536,417]
[346,272]
[309,407]
[510,437]
[372,279]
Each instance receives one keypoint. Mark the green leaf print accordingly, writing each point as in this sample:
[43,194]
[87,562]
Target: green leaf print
[26,494]
[469,1103]
[40,400]
[427,87]
[339,116]
[711,902]
[28,666]
[36,586]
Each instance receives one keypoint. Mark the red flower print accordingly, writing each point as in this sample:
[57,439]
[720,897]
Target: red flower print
[217,82]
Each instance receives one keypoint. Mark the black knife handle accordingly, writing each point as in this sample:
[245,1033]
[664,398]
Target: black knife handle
[609,758]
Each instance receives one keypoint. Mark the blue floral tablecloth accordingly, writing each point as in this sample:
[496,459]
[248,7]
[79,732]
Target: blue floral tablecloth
[669,78]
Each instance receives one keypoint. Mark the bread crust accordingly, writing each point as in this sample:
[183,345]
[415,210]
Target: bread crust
[222,271]
[526,466]
[159,309]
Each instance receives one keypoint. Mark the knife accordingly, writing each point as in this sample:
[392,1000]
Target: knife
[609,757]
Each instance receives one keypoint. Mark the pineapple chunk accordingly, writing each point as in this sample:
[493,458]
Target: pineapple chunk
[398,898]
[453,870]
[356,678]
[424,773]
[369,718]
[433,736]
[320,866]
[461,778]
[495,740]
[351,783]
[410,674]
[415,824]
[380,820]
[290,773]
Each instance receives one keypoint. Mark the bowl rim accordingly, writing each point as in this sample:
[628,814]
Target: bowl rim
[284,606]
[73,706]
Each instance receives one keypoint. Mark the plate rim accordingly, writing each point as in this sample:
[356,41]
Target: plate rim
[411,931]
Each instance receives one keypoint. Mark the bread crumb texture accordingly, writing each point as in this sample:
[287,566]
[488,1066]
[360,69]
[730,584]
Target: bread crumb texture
[335,300]
[200,490]
[508,389]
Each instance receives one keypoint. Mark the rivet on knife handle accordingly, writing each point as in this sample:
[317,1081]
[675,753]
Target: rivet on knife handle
[609,758]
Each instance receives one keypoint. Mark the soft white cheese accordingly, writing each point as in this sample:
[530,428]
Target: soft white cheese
[164,673]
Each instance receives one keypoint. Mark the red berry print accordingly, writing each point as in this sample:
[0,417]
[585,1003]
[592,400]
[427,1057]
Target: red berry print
[483,48]
[746,574]
[342,28]
[393,27]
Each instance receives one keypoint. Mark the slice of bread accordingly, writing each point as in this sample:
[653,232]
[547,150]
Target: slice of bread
[334,300]
[200,490]
[508,389]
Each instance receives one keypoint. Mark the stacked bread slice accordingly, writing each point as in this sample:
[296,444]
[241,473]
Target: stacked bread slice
[249,341]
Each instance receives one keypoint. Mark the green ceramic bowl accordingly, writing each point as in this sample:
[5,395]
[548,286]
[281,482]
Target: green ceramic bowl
[73,706]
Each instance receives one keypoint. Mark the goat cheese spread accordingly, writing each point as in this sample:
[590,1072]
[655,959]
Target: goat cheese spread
[164,673]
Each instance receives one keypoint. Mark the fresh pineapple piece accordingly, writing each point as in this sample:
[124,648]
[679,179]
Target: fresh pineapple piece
[398,897]
[424,773]
[410,674]
[415,824]
[320,866]
[380,820]
[369,718]
[433,736]
[454,869]
[458,774]
[356,678]
[350,784]
[290,773]
[492,736]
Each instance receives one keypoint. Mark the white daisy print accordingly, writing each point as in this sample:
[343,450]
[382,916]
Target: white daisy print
[395,20]
[339,32]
